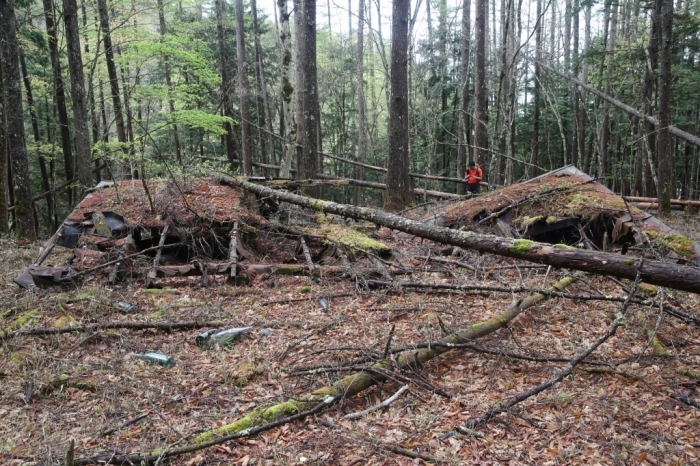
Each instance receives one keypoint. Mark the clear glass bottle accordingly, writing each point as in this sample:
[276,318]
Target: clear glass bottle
[156,358]
[222,337]
[203,338]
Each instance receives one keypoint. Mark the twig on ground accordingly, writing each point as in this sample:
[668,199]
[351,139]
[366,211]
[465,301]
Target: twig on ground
[686,400]
[128,422]
[381,405]
[387,446]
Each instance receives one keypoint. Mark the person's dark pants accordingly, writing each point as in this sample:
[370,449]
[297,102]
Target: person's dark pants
[473,188]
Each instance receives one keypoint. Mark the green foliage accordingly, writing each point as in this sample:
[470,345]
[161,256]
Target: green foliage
[202,120]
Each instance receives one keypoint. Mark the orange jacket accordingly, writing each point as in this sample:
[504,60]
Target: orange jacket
[473,175]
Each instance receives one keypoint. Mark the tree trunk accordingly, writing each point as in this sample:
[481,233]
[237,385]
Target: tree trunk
[113,83]
[14,126]
[246,149]
[45,178]
[480,110]
[264,111]
[309,164]
[463,131]
[603,169]
[575,71]
[4,224]
[83,148]
[534,154]
[581,119]
[680,277]
[288,130]
[298,53]
[226,84]
[169,82]
[398,194]
[666,147]
[360,99]
[59,94]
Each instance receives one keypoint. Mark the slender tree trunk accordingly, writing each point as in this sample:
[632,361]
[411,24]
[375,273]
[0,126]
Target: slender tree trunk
[480,98]
[398,193]
[666,147]
[83,150]
[247,151]
[650,86]
[59,94]
[91,94]
[264,111]
[603,169]
[45,178]
[14,127]
[113,83]
[4,224]
[575,69]
[309,165]
[169,82]
[360,98]
[535,151]
[298,53]
[288,129]
[463,132]
[581,119]
[226,84]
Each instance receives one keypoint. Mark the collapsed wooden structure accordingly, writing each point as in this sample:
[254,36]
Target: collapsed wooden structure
[208,226]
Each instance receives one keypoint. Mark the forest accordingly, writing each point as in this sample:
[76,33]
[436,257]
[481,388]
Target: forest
[264,248]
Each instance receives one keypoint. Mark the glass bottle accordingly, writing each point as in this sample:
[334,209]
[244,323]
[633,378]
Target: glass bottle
[156,358]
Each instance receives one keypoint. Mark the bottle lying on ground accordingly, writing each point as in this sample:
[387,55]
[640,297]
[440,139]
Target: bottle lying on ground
[220,337]
[156,358]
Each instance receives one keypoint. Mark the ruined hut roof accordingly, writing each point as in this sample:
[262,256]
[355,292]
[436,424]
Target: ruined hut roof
[565,206]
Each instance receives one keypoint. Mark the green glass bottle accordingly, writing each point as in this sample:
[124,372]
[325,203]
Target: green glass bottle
[156,358]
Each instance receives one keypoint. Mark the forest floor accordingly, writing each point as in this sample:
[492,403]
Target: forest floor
[617,411]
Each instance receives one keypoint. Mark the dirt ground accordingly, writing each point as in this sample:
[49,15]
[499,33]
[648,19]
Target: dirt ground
[619,410]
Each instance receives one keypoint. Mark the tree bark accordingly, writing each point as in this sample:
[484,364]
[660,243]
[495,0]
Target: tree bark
[360,99]
[666,147]
[264,111]
[113,83]
[309,163]
[535,151]
[398,193]
[83,148]
[4,224]
[480,110]
[246,149]
[59,94]
[169,82]
[463,131]
[288,130]
[300,97]
[602,170]
[653,272]
[226,84]
[14,124]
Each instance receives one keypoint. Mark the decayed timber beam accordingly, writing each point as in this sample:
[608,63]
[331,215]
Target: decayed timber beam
[674,276]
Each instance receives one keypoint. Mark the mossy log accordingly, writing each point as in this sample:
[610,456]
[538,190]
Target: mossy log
[353,384]
[671,275]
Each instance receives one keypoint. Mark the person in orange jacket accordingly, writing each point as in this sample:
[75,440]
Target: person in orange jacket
[473,174]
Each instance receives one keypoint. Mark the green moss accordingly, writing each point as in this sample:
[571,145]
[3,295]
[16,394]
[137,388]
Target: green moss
[303,289]
[522,246]
[681,245]
[162,291]
[527,221]
[65,321]
[690,374]
[23,319]
[551,219]
[656,344]
[628,262]
[241,382]
[563,246]
[348,237]
[157,314]
[648,290]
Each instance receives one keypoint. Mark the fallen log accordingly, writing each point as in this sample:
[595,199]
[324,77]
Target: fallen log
[355,383]
[680,277]
[371,184]
[654,200]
